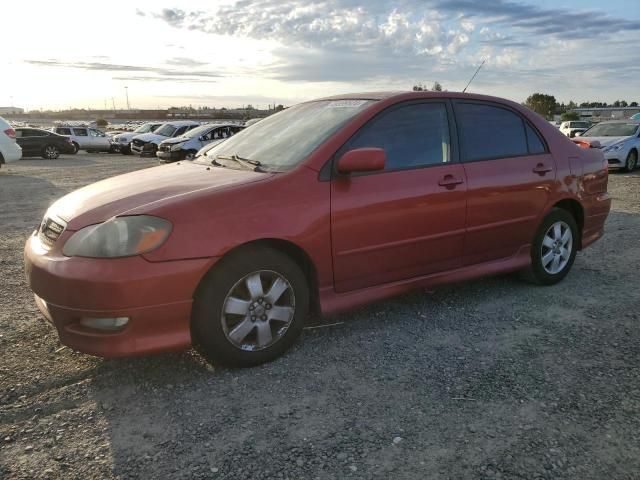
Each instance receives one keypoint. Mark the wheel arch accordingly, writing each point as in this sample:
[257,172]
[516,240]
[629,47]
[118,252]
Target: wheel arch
[576,210]
[292,250]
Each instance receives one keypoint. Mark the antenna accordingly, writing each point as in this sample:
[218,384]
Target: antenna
[474,76]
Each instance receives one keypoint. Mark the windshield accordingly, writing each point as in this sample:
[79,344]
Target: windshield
[282,141]
[166,130]
[147,127]
[196,132]
[611,130]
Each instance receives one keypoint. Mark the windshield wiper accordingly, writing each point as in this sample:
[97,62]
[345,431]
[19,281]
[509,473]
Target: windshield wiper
[255,164]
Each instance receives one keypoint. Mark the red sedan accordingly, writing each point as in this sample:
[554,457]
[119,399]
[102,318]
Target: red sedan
[325,206]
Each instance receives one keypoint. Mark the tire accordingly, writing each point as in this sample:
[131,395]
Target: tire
[631,162]
[236,331]
[548,245]
[50,152]
[190,155]
[126,150]
[76,148]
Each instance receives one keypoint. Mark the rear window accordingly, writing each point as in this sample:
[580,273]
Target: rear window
[63,131]
[488,132]
[80,132]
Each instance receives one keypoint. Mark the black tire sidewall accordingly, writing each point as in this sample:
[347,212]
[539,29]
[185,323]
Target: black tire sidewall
[206,328]
[540,275]
[626,163]
[76,148]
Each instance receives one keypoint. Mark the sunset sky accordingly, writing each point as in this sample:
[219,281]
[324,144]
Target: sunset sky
[230,53]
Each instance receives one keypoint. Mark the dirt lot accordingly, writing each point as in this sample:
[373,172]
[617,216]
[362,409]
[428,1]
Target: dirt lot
[489,379]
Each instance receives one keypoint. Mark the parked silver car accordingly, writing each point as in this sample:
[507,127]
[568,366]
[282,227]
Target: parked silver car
[619,141]
[86,138]
[123,140]
[187,146]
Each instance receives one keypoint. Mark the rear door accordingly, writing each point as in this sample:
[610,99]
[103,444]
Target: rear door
[81,136]
[99,140]
[407,220]
[510,176]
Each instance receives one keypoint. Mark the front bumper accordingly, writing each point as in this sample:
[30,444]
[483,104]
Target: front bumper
[148,148]
[616,158]
[156,297]
[168,157]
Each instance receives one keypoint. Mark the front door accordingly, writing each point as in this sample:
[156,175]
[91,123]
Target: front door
[510,176]
[407,220]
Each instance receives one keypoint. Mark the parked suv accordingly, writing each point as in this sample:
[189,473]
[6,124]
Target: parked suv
[122,140]
[147,143]
[187,146]
[571,128]
[86,138]
[10,151]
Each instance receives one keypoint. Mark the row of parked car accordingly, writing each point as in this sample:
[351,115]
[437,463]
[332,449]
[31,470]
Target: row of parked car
[169,141]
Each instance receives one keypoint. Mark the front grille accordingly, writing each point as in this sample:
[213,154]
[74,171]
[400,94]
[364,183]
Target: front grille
[50,230]
[164,148]
[138,143]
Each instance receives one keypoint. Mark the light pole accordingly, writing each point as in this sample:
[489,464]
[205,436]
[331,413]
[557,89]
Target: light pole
[126,90]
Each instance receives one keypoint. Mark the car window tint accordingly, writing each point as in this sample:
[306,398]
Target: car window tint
[63,131]
[180,131]
[411,135]
[80,132]
[490,132]
[19,134]
[536,145]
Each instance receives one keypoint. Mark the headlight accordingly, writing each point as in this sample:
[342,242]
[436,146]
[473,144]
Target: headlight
[175,147]
[615,148]
[119,237]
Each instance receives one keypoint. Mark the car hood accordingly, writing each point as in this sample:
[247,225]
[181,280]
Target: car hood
[139,192]
[607,141]
[174,140]
[150,137]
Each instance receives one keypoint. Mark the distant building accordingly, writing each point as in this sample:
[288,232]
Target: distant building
[11,111]
[606,113]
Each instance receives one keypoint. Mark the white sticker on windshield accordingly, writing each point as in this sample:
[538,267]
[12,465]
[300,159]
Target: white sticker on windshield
[346,103]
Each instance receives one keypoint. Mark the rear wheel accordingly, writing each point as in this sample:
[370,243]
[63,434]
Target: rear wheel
[554,248]
[632,161]
[250,308]
[50,152]
[76,148]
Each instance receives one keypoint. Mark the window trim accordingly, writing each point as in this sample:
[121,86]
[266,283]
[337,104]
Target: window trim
[525,121]
[329,170]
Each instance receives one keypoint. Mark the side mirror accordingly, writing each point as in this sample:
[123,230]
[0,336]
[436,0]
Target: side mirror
[362,160]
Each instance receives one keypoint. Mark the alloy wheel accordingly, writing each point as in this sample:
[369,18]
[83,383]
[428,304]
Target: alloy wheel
[258,310]
[557,246]
[51,152]
[632,160]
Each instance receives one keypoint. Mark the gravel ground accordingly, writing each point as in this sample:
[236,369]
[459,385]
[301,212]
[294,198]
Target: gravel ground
[489,379]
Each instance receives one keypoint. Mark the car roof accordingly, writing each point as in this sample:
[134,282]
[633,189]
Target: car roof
[627,121]
[411,95]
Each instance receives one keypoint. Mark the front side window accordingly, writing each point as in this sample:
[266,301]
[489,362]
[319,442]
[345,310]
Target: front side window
[488,131]
[412,136]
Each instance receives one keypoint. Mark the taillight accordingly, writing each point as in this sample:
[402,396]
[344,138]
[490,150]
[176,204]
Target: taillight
[10,132]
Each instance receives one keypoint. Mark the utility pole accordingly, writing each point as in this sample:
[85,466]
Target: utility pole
[126,90]
[113,102]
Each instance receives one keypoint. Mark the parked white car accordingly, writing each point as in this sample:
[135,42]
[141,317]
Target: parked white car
[571,128]
[147,143]
[187,146]
[619,141]
[123,140]
[10,151]
[86,138]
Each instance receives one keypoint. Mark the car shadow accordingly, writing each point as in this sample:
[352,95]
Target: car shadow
[62,161]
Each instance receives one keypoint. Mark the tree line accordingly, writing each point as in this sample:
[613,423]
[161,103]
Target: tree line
[547,106]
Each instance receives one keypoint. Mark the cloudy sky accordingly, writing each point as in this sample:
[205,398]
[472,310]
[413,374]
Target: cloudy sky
[230,52]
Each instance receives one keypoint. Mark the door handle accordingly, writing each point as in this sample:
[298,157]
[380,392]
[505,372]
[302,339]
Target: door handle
[449,181]
[542,169]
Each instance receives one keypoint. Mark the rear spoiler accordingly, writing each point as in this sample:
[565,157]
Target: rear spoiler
[584,143]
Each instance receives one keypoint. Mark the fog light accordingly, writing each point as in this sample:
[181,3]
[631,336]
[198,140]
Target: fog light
[111,324]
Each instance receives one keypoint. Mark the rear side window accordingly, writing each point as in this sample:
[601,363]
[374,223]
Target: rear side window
[411,136]
[80,132]
[536,145]
[63,131]
[490,132]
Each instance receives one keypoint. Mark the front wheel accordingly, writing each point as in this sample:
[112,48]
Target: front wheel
[76,148]
[190,155]
[631,162]
[554,248]
[250,308]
